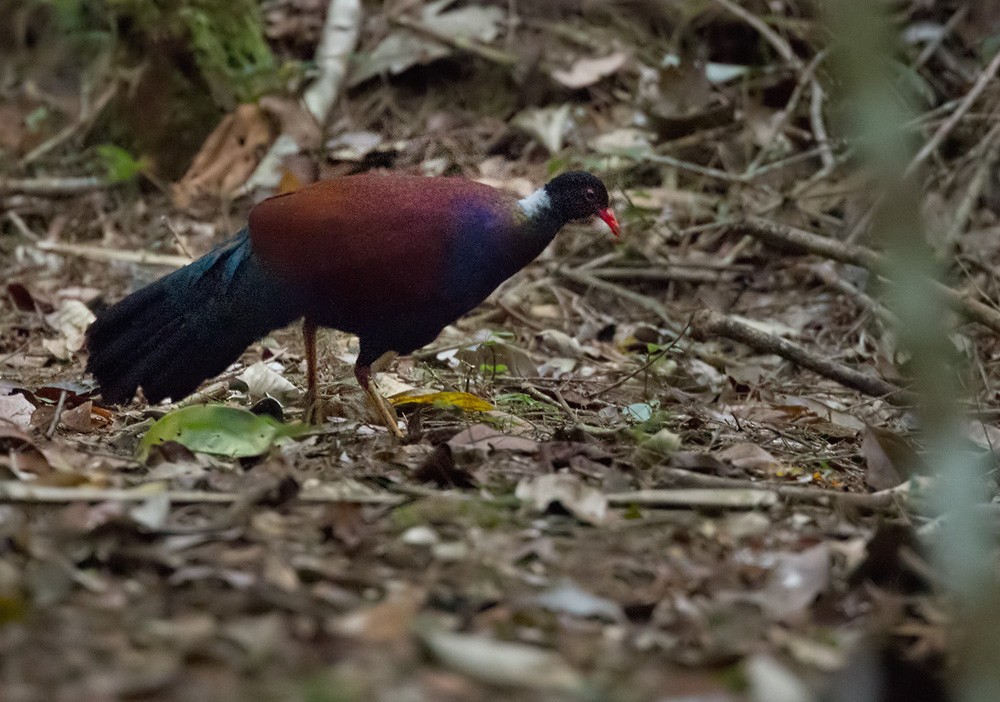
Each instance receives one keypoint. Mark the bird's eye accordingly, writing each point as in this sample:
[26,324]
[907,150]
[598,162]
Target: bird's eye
[590,194]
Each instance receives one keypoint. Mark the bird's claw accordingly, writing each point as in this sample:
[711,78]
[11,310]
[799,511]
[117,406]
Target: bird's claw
[315,410]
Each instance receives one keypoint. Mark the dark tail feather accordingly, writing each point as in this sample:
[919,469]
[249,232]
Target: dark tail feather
[188,326]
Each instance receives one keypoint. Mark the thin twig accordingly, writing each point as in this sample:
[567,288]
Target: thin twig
[964,106]
[641,300]
[52,186]
[819,127]
[693,498]
[718,174]
[892,499]
[78,126]
[783,48]
[100,253]
[652,359]
[177,238]
[788,237]
[991,146]
[341,30]
[458,42]
[708,324]
[57,415]
[17,491]
[683,165]
[935,43]
[556,400]
[658,274]
[22,226]
[826,273]
[779,122]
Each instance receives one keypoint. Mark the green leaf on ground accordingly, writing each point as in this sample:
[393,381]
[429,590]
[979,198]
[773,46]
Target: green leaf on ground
[220,430]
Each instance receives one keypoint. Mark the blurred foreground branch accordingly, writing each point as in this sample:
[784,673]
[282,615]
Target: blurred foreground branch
[787,237]
[876,104]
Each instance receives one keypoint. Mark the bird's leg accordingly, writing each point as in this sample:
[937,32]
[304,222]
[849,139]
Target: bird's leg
[313,410]
[364,376]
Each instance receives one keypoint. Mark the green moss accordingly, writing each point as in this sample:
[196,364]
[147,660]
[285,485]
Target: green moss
[226,39]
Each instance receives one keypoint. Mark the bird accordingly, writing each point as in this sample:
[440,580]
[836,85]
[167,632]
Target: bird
[389,257]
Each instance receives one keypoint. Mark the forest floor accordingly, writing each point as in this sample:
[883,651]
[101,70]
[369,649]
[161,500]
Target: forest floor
[662,501]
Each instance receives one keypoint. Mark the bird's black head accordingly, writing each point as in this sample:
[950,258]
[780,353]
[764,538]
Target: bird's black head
[580,195]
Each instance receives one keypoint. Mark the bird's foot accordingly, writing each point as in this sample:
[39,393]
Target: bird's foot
[385,412]
[388,415]
[391,423]
[315,410]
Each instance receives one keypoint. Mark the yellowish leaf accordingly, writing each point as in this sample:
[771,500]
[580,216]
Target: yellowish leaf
[462,400]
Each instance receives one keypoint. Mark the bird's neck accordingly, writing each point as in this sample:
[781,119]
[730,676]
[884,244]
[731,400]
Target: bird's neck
[542,221]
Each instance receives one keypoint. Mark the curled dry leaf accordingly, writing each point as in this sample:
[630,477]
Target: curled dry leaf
[353,146]
[770,681]
[656,448]
[258,637]
[747,456]
[152,513]
[294,119]
[404,48]
[889,459]
[494,357]
[569,598]
[390,621]
[262,381]
[549,125]
[794,581]
[587,71]
[582,501]
[500,662]
[624,139]
[15,411]
[986,436]
[228,156]
[18,453]
[561,342]
[556,367]
[483,436]
[71,321]
[83,418]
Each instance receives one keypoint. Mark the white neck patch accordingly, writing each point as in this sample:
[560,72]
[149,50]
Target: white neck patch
[536,203]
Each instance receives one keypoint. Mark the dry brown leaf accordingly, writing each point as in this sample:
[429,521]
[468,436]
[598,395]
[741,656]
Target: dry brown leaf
[404,48]
[263,381]
[16,410]
[18,452]
[294,120]
[71,321]
[228,156]
[483,436]
[501,662]
[889,459]
[83,418]
[549,125]
[587,71]
[795,580]
[749,456]
[390,621]
[579,499]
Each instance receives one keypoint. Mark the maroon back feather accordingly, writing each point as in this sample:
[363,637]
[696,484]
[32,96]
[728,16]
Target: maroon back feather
[377,243]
